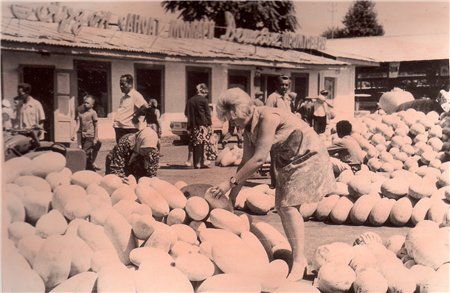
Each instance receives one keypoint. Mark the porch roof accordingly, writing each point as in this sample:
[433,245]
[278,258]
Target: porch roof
[110,42]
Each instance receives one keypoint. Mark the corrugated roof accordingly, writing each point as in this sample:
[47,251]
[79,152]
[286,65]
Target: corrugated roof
[392,48]
[34,32]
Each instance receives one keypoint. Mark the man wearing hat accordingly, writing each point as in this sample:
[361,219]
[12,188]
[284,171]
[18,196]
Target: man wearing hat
[321,109]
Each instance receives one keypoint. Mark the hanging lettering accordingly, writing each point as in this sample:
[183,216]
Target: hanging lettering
[265,38]
[135,23]
[192,30]
[68,19]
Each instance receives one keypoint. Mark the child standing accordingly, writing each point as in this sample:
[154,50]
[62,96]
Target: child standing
[86,126]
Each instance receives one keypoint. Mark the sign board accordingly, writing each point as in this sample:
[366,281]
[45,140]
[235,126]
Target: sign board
[265,38]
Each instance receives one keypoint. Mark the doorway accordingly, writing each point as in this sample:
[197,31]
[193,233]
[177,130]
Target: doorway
[41,79]
[300,84]
[269,84]
[194,76]
[94,78]
[239,78]
[150,83]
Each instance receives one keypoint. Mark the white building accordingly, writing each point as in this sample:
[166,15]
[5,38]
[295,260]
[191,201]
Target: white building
[64,60]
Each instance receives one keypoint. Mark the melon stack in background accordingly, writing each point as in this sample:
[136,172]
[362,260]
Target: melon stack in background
[84,232]
[406,179]
[417,262]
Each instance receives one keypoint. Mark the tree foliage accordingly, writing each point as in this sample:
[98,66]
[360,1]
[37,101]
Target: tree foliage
[276,16]
[360,21]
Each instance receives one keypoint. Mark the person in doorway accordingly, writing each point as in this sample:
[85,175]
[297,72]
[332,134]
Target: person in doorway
[136,154]
[131,106]
[306,110]
[30,113]
[259,98]
[8,114]
[444,98]
[86,127]
[321,111]
[281,98]
[199,124]
[302,164]
[152,116]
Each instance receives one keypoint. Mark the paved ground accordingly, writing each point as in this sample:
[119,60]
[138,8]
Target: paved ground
[316,233]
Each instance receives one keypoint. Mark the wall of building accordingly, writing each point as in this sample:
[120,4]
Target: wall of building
[174,83]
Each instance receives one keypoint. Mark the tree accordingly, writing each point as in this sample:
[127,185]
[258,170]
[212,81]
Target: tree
[276,16]
[360,21]
[334,33]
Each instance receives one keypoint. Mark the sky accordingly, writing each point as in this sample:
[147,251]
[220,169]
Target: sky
[396,17]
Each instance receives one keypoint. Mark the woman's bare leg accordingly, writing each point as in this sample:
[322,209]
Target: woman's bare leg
[295,232]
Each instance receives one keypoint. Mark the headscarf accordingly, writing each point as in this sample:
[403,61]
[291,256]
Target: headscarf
[146,138]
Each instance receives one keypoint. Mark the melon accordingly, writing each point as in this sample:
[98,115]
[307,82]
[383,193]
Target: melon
[336,252]
[110,182]
[325,206]
[47,163]
[176,216]
[195,266]
[335,277]
[227,220]
[84,178]
[362,208]
[401,212]
[369,280]
[232,282]
[359,185]
[381,211]
[260,203]
[341,210]
[420,210]
[308,209]
[174,197]
[149,196]
[395,188]
[197,208]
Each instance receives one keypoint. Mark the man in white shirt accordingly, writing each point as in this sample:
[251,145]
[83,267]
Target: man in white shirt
[30,113]
[281,98]
[132,105]
[321,111]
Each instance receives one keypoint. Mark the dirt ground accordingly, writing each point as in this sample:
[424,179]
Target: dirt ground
[173,169]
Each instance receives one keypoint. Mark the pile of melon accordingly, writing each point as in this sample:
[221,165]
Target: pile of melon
[409,140]
[84,232]
[229,156]
[417,262]
[406,179]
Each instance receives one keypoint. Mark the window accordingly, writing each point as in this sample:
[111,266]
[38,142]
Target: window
[239,78]
[330,85]
[94,78]
[150,82]
[194,76]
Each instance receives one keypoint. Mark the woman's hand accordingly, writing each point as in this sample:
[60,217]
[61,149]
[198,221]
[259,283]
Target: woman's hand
[221,189]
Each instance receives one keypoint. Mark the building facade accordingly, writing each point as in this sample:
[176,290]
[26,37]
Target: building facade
[63,61]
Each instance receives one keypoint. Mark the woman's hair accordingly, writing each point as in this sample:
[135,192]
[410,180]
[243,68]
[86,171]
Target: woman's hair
[234,99]
[343,128]
[153,103]
[202,88]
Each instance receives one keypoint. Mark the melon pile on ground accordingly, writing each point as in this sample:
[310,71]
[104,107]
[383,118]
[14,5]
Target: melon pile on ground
[229,156]
[418,262]
[407,176]
[84,232]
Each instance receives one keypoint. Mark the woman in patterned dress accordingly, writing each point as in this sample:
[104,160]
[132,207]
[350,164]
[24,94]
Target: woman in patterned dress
[136,154]
[301,162]
[199,123]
